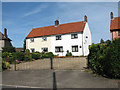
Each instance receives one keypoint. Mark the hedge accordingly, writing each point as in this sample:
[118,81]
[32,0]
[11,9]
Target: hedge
[105,59]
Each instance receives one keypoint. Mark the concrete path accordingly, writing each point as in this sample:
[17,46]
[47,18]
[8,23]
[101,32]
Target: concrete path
[56,79]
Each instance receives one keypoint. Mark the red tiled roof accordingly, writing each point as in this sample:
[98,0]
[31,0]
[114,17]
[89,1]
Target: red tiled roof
[60,29]
[115,23]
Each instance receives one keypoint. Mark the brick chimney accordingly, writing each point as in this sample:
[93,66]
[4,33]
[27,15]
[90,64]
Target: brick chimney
[5,32]
[56,22]
[111,14]
[85,18]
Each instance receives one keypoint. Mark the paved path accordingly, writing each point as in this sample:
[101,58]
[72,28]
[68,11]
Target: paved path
[56,79]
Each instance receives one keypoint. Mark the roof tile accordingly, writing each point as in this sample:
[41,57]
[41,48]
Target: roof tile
[60,29]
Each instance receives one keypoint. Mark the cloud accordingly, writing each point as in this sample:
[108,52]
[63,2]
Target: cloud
[36,10]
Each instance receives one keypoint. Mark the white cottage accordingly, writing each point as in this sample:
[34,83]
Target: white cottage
[74,37]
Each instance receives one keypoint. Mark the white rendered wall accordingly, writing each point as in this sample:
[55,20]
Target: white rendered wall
[67,44]
[38,44]
[86,41]
[1,44]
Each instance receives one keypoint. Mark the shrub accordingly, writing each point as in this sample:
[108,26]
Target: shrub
[8,49]
[105,59]
[69,54]
[5,65]
[18,56]
[27,56]
[112,61]
[47,55]
[36,55]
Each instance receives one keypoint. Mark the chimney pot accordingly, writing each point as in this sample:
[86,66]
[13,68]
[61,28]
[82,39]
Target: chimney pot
[5,32]
[56,22]
[85,18]
[111,15]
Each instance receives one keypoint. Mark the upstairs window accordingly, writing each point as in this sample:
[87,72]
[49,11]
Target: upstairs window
[44,49]
[59,49]
[32,50]
[75,48]
[58,37]
[44,38]
[118,33]
[32,40]
[73,36]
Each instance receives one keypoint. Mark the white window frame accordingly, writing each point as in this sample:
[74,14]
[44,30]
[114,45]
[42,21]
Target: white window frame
[44,48]
[58,49]
[74,36]
[75,49]
[31,39]
[58,37]
[44,38]
[32,50]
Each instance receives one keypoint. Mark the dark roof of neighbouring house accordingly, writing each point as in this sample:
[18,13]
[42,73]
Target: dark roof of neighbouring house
[115,23]
[60,29]
[3,37]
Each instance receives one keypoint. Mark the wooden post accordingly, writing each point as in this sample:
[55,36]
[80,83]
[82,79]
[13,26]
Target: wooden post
[51,61]
[15,65]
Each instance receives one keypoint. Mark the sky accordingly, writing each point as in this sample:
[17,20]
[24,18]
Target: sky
[21,17]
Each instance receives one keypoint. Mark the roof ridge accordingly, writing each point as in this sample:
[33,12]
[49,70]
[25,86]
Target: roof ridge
[59,24]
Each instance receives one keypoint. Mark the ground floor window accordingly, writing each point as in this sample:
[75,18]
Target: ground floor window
[32,50]
[118,33]
[45,49]
[59,49]
[75,48]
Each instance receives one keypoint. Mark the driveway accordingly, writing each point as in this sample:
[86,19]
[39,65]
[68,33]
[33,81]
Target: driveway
[56,79]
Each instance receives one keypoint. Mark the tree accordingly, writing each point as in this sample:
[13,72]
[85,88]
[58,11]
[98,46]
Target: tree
[108,42]
[9,49]
[24,45]
[102,41]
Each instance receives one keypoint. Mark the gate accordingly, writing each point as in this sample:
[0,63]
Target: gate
[70,63]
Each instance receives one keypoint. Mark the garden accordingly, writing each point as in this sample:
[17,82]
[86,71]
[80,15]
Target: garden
[10,56]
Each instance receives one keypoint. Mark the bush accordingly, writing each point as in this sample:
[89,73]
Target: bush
[36,55]
[18,56]
[8,49]
[69,54]
[5,65]
[105,60]
[112,61]
[27,56]
[47,55]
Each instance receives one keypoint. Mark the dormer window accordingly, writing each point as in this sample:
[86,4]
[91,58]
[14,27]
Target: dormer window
[44,38]
[58,37]
[32,40]
[73,36]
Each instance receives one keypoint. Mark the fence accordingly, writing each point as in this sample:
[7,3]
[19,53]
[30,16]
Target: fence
[73,63]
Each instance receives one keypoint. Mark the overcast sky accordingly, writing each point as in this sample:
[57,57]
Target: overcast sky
[20,17]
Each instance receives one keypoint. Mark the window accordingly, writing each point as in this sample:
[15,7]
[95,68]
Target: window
[59,49]
[58,37]
[44,49]
[75,48]
[74,36]
[118,33]
[44,38]
[32,40]
[32,50]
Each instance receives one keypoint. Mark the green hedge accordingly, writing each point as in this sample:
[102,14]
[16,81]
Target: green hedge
[105,59]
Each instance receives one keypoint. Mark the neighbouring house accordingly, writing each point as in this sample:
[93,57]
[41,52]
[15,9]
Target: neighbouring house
[19,49]
[115,27]
[4,40]
[74,37]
